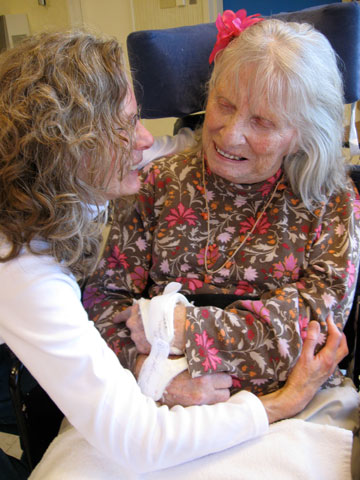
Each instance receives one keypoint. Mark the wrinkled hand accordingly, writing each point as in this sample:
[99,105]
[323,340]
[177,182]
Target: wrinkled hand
[134,323]
[186,391]
[309,373]
[207,389]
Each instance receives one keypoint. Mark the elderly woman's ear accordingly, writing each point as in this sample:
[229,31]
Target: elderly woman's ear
[294,148]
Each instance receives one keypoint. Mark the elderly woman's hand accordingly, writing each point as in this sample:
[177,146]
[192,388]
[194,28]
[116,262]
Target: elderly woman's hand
[309,373]
[205,390]
[134,323]
[186,391]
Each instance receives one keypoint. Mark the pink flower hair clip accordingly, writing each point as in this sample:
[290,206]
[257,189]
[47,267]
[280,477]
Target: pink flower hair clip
[230,25]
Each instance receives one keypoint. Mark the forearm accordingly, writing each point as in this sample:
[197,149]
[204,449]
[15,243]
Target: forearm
[100,398]
[257,341]
[254,346]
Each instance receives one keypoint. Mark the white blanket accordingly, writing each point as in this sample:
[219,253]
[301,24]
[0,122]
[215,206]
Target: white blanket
[293,449]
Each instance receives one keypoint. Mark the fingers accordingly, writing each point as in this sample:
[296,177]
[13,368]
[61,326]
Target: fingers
[311,340]
[310,371]
[125,314]
[334,335]
[214,388]
[336,340]
[207,389]
[343,349]
[221,383]
[137,332]
[134,318]
[221,395]
[220,380]
[335,348]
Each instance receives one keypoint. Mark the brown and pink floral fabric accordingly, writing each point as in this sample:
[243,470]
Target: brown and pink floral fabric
[295,266]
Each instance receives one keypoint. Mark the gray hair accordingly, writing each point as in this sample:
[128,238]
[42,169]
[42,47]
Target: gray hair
[296,68]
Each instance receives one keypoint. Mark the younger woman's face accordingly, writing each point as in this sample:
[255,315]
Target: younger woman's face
[143,140]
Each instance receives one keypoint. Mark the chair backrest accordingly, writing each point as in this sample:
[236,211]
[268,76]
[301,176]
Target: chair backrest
[170,67]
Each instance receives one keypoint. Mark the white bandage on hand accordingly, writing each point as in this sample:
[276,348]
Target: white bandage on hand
[158,319]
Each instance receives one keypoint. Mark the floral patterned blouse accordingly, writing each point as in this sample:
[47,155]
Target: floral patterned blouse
[294,266]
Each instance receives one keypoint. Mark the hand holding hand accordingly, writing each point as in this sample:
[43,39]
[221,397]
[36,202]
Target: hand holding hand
[134,323]
[207,389]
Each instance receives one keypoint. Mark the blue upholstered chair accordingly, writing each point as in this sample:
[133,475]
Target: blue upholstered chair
[170,70]
[170,67]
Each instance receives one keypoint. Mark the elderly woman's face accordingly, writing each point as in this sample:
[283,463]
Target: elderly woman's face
[242,145]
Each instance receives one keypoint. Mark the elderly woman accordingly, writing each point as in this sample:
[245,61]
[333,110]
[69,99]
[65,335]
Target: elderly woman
[260,225]
[70,141]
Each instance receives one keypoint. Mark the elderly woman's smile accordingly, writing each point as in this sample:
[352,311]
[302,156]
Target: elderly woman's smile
[229,155]
[243,144]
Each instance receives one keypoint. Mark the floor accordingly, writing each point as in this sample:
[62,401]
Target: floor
[10,444]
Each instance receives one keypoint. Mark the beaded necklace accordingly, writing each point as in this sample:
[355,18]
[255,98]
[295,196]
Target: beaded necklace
[208,270]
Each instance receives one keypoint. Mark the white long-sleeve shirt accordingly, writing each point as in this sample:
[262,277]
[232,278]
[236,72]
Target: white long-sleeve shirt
[43,322]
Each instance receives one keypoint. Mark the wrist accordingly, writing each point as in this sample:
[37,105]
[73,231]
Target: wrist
[285,402]
[272,402]
[140,359]
[179,339]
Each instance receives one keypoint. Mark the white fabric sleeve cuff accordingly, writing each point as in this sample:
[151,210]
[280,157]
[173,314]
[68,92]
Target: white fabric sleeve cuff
[158,319]
[256,410]
[158,313]
[156,374]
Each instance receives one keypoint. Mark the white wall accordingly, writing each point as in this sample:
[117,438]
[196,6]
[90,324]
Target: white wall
[53,16]
[116,18]
[112,17]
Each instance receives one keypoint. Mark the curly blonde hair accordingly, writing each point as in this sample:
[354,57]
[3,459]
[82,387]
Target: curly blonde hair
[62,130]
